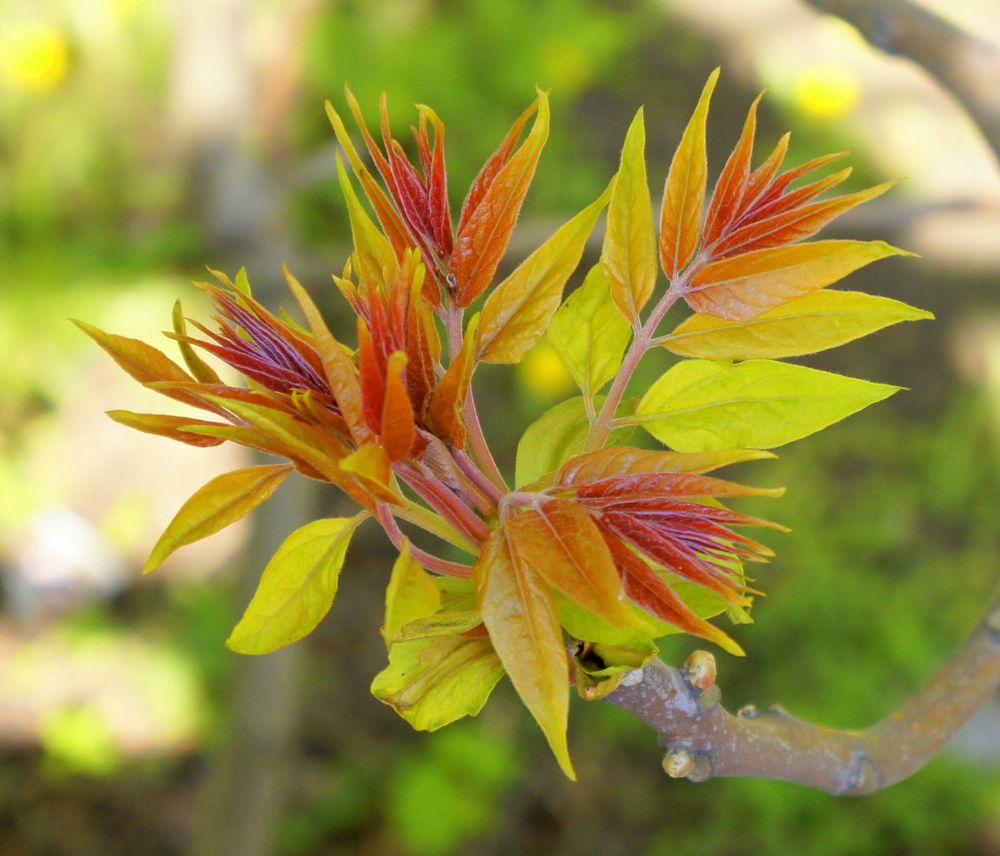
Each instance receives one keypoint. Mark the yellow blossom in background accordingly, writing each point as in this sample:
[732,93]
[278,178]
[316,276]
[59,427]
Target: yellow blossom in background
[826,91]
[34,57]
[542,374]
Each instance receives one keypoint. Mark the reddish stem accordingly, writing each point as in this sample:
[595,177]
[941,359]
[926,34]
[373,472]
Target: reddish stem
[637,350]
[476,476]
[445,503]
[432,563]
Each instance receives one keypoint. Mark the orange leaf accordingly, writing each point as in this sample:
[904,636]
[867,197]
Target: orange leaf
[760,179]
[794,225]
[485,229]
[520,614]
[684,192]
[145,363]
[337,365]
[448,399]
[732,182]
[166,426]
[624,460]
[493,166]
[744,286]
[398,428]
[560,542]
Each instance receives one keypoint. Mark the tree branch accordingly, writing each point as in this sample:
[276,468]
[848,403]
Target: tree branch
[703,740]
[969,67]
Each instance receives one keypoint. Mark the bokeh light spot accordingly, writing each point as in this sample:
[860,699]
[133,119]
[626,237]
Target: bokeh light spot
[34,57]
[826,91]
[542,374]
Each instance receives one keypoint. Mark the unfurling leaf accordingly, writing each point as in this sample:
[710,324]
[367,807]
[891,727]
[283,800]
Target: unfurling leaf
[517,313]
[432,682]
[589,334]
[684,192]
[561,543]
[224,500]
[598,668]
[704,406]
[398,427]
[817,321]
[491,211]
[410,595]
[337,365]
[520,614]
[629,253]
[745,286]
[297,587]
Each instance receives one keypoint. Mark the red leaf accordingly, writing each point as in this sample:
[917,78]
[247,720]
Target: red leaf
[732,183]
[650,591]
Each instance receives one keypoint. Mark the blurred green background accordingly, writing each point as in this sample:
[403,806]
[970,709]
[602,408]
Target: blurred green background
[142,140]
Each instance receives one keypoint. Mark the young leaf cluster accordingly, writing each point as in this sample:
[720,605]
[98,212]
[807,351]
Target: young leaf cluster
[601,546]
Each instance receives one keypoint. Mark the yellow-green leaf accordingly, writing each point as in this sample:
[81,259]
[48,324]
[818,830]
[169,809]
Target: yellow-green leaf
[410,595]
[517,313]
[297,587]
[629,253]
[458,613]
[817,321]
[224,500]
[432,682]
[684,192]
[520,613]
[744,286]
[558,435]
[703,405]
[589,334]
[376,257]
[196,365]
